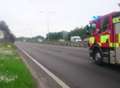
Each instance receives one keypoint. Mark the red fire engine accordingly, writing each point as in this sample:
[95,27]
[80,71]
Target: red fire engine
[104,42]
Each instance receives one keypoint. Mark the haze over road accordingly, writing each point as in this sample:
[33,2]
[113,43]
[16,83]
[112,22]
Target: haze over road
[72,66]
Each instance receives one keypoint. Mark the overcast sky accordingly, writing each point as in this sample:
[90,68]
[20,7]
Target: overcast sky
[37,17]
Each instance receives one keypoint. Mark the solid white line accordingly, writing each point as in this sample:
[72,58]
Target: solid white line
[58,80]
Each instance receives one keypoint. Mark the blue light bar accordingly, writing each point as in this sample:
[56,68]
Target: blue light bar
[96,17]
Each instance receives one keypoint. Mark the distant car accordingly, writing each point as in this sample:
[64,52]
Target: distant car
[75,39]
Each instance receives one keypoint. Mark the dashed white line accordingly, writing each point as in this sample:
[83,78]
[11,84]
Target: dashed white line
[58,80]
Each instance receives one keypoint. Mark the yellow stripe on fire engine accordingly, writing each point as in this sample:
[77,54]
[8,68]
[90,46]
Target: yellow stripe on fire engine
[91,40]
[119,38]
[115,45]
[111,44]
[104,38]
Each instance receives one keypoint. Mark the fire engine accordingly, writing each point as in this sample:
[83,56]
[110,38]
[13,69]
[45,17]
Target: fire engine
[104,39]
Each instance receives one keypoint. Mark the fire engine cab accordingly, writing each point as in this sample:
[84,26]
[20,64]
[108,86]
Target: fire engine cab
[104,40]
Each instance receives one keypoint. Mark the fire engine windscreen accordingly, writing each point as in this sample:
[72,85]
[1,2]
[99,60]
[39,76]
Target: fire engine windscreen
[92,27]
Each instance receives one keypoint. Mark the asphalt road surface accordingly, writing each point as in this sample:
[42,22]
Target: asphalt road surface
[72,66]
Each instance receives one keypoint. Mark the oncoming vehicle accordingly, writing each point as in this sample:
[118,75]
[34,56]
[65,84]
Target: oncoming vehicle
[104,42]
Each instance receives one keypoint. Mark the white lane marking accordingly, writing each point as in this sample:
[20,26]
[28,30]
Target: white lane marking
[58,80]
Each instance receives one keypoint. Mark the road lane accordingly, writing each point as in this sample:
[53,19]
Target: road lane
[72,66]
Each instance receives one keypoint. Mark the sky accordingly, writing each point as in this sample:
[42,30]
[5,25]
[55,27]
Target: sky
[38,17]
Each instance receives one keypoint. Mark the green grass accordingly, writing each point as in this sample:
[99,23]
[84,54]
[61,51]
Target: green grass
[13,72]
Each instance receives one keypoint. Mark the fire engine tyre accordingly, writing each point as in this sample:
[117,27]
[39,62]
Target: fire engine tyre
[98,58]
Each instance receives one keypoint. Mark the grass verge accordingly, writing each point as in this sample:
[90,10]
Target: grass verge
[13,73]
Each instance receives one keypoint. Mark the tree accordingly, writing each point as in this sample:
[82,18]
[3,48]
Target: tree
[57,35]
[8,36]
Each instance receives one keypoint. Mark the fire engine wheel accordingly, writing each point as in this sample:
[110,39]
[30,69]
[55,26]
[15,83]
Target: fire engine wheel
[98,58]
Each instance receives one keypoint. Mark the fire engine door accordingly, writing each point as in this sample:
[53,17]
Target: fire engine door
[117,43]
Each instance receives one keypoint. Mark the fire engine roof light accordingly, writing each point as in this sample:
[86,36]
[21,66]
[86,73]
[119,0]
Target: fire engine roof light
[96,17]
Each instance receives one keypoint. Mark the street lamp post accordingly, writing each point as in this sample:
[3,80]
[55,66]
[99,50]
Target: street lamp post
[47,13]
[48,23]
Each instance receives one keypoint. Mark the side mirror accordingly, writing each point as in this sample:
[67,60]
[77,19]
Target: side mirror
[88,33]
[87,28]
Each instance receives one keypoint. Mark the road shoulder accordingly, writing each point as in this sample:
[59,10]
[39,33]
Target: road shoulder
[43,80]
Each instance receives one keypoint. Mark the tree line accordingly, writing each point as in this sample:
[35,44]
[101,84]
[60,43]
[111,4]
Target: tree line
[54,36]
